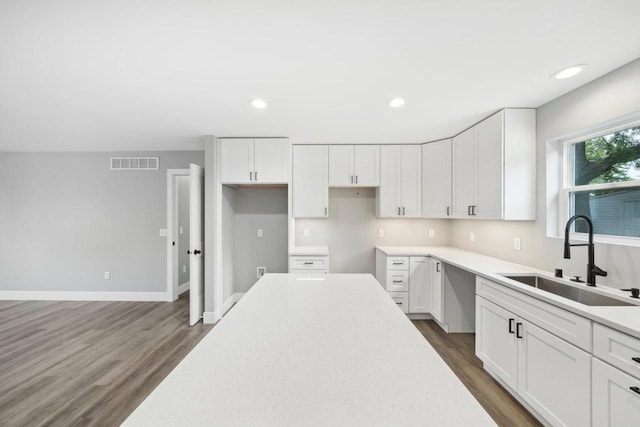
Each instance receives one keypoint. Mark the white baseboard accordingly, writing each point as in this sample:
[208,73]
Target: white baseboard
[83,296]
[183,288]
[216,315]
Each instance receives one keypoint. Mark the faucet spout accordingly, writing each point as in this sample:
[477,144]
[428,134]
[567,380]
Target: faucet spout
[592,269]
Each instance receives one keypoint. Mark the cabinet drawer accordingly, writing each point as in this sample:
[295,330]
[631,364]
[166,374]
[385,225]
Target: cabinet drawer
[398,263]
[567,325]
[398,281]
[614,403]
[401,299]
[308,263]
[617,348]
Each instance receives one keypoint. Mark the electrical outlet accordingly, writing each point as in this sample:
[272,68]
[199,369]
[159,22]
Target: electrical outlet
[184,268]
[163,232]
[516,243]
[305,232]
[107,275]
[472,237]
[181,230]
[432,233]
[381,232]
[259,232]
[260,271]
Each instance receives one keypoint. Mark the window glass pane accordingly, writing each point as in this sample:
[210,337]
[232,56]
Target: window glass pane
[609,158]
[613,212]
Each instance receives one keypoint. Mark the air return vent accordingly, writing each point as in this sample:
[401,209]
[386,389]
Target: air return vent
[135,163]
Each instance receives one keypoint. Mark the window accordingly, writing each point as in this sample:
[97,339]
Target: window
[602,181]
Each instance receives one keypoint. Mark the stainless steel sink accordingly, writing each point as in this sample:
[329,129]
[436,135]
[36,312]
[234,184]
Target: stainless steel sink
[583,296]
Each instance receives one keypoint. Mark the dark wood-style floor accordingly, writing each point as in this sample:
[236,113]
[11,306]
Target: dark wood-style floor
[87,363]
[93,363]
[458,351]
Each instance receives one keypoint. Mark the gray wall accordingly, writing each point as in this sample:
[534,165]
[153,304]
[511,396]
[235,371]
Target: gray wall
[183,221]
[614,95]
[351,231]
[66,218]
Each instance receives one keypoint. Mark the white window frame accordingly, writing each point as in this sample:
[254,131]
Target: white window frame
[566,186]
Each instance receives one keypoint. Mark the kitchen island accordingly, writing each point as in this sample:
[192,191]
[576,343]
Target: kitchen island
[312,351]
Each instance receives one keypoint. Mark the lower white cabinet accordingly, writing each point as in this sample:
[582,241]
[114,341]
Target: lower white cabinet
[616,396]
[401,299]
[308,264]
[548,373]
[420,284]
[437,289]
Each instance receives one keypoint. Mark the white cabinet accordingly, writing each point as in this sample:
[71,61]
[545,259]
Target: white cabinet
[399,194]
[309,264]
[436,179]
[548,373]
[420,284]
[437,289]
[354,165]
[254,161]
[615,397]
[310,181]
[493,168]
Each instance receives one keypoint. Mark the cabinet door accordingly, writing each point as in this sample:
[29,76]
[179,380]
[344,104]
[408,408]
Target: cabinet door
[464,173]
[341,165]
[490,164]
[271,161]
[236,161]
[388,195]
[411,176]
[496,340]
[419,285]
[436,179]
[367,165]
[310,181]
[614,403]
[437,293]
[554,377]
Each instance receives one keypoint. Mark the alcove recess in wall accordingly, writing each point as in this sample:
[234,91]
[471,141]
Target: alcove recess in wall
[245,210]
[351,230]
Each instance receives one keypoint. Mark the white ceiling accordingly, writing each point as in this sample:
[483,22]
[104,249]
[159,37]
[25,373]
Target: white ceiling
[159,74]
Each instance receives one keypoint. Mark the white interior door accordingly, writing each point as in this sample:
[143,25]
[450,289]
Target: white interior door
[196,243]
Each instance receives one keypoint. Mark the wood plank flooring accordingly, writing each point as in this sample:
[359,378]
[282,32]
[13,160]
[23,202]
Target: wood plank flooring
[93,363]
[87,363]
[458,351]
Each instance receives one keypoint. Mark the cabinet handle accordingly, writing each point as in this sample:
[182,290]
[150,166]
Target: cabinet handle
[325,210]
[635,389]
[636,359]
[403,211]
[250,176]
[518,326]
[397,281]
[398,210]
[511,331]
[438,267]
[399,303]
[448,210]
[473,210]
[469,210]
[356,179]
[352,179]
[255,176]
[308,263]
[397,263]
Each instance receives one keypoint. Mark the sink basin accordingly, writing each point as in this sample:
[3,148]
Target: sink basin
[583,296]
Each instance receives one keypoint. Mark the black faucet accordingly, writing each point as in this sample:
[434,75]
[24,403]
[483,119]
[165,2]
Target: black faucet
[592,269]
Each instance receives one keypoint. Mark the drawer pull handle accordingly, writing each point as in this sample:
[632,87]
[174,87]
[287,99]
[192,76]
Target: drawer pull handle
[398,263]
[636,359]
[400,303]
[438,267]
[518,326]
[635,389]
[308,263]
[511,331]
[397,281]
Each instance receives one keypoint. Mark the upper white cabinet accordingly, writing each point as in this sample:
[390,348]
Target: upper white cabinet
[254,161]
[354,165]
[436,179]
[399,194]
[494,167]
[310,181]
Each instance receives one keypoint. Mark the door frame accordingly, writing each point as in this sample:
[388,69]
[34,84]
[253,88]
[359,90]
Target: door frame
[172,231]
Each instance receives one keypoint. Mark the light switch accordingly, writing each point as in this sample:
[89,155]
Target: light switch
[259,232]
[305,232]
[472,237]
[107,275]
[432,233]
[516,243]
[380,232]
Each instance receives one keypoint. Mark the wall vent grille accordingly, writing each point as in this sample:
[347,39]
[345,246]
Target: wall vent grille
[135,163]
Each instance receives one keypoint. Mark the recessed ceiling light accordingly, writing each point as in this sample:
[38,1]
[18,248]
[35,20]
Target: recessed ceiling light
[259,103]
[396,102]
[568,72]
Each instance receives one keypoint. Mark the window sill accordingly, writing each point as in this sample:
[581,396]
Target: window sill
[602,238]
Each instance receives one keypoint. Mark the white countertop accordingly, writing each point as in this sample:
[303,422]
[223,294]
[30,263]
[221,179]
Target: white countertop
[309,250]
[625,319]
[312,351]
